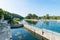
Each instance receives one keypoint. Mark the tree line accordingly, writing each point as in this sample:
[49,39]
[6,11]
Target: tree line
[34,16]
[9,16]
[31,16]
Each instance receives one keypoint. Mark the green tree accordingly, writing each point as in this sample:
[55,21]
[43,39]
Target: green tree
[16,20]
[47,16]
[35,16]
[31,16]
[1,13]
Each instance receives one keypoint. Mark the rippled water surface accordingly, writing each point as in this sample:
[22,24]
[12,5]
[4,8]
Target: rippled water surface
[22,34]
[50,25]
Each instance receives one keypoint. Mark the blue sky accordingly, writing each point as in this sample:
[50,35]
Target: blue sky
[38,7]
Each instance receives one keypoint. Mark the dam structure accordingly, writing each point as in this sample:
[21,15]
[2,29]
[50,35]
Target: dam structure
[48,34]
[45,33]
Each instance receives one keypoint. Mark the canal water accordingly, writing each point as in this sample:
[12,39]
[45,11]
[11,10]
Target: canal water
[50,25]
[22,34]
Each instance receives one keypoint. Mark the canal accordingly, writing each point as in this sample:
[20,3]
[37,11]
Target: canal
[49,25]
[22,34]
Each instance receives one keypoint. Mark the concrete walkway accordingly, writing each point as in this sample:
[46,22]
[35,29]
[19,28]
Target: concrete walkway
[45,33]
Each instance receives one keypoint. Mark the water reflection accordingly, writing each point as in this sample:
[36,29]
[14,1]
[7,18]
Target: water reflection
[31,22]
[50,25]
[46,23]
[22,34]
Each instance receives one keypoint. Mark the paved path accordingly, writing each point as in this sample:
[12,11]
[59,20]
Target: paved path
[45,33]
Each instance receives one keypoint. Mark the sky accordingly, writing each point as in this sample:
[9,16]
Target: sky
[38,7]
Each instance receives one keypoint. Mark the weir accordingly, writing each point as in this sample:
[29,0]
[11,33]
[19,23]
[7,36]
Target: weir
[47,34]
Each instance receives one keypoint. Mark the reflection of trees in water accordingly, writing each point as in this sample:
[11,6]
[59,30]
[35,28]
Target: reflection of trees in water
[46,23]
[31,22]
